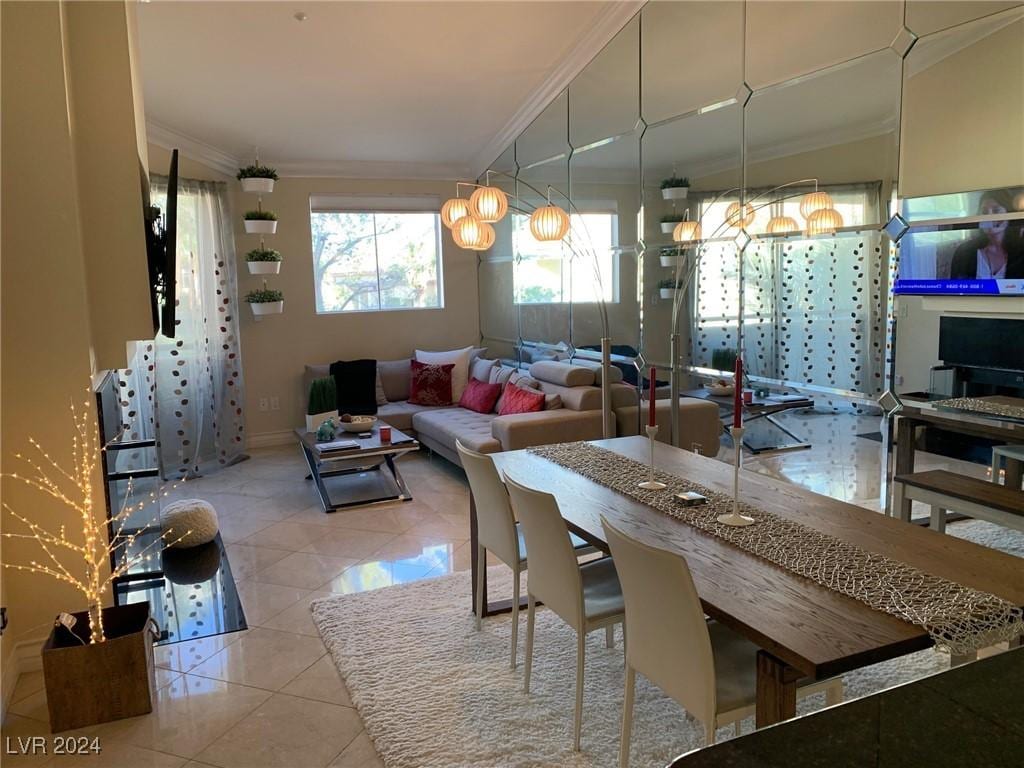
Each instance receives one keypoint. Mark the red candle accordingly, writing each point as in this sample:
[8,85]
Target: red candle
[737,405]
[650,398]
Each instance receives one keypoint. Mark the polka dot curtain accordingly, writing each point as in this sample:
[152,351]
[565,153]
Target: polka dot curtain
[187,392]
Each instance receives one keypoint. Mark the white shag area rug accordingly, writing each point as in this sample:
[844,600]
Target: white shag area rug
[435,693]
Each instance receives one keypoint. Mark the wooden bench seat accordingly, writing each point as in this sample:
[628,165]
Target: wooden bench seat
[976,498]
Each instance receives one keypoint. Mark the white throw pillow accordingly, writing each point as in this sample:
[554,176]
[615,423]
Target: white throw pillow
[457,357]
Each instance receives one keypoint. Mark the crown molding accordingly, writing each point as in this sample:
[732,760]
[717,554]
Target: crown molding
[207,154]
[609,23]
[372,169]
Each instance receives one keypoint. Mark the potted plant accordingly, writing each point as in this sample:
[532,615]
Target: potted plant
[669,221]
[667,288]
[257,178]
[322,402]
[97,663]
[675,188]
[260,222]
[265,301]
[670,256]
[263,261]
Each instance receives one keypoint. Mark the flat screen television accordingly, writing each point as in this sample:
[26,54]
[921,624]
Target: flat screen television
[983,256]
[161,253]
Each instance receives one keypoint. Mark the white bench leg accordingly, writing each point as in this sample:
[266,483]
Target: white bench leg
[938,522]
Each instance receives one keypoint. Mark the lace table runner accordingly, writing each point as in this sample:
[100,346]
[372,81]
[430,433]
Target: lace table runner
[981,405]
[959,619]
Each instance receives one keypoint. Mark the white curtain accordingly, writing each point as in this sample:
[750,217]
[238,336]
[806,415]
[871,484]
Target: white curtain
[187,391]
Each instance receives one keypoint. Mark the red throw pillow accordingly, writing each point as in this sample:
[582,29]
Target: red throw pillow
[430,384]
[519,400]
[480,397]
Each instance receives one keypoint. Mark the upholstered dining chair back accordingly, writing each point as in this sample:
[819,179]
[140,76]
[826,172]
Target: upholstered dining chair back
[496,525]
[554,575]
[668,637]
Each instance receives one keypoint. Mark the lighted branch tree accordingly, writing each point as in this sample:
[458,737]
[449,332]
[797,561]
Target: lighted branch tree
[74,489]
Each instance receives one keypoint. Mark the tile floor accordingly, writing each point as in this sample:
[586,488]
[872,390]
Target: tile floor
[270,696]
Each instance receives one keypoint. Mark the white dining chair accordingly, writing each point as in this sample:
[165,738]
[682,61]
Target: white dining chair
[707,668]
[587,597]
[498,532]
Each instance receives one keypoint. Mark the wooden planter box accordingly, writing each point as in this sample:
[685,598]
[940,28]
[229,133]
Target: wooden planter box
[88,684]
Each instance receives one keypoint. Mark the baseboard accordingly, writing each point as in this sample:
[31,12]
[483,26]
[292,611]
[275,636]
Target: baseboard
[25,658]
[270,439]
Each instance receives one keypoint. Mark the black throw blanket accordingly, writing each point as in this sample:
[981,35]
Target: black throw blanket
[356,381]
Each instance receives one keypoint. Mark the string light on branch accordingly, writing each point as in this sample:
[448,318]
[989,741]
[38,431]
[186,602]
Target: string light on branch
[549,223]
[472,234]
[488,204]
[453,210]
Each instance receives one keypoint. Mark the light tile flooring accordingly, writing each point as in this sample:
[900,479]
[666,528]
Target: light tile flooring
[271,696]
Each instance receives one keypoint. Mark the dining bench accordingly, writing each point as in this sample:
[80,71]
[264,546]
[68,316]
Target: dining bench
[976,498]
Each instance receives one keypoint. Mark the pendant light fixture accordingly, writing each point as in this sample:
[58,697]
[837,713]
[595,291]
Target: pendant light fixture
[549,223]
[686,232]
[780,225]
[472,234]
[815,201]
[824,220]
[453,210]
[733,217]
[488,204]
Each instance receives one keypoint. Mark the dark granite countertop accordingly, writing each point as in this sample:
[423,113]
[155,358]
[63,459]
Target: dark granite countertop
[972,715]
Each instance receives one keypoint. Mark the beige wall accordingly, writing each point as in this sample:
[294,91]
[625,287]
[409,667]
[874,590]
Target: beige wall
[275,349]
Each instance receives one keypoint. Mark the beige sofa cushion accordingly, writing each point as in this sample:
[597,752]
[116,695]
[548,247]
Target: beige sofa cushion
[523,430]
[614,373]
[399,414]
[564,374]
[480,369]
[446,425]
[574,398]
[698,420]
[396,376]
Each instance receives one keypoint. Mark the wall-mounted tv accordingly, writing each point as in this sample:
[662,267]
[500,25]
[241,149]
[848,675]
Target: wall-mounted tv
[981,257]
[161,253]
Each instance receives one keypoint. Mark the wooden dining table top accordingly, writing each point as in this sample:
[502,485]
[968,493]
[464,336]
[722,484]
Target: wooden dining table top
[814,629]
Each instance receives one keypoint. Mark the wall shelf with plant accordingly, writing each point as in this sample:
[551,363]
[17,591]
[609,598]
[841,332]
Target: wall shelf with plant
[669,221]
[667,288]
[263,261]
[265,301]
[260,222]
[675,188]
[256,178]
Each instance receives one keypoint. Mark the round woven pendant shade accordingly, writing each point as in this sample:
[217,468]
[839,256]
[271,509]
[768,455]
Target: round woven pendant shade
[780,225]
[488,204]
[453,210]
[824,220]
[733,217]
[549,223]
[686,232]
[473,234]
[814,201]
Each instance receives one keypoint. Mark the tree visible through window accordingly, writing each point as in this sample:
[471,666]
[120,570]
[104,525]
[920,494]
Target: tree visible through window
[376,260]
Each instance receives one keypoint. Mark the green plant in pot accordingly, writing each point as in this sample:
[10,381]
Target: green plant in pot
[722,359]
[260,222]
[117,640]
[265,301]
[322,403]
[675,188]
[257,178]
[669,221]
[263,261]
[667,288]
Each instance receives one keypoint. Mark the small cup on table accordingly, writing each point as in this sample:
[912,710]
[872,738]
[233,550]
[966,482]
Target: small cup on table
[385,433]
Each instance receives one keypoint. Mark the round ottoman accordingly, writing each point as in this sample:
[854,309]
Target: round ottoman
[189,523]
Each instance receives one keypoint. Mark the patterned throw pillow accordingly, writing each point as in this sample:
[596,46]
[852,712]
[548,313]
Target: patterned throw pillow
[519,400]
[479,397]
[515,379]
[431,384]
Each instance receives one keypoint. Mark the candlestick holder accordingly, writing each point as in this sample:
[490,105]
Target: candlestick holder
[735,518]
[650,484]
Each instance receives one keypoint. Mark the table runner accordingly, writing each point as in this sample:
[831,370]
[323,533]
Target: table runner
[959,619]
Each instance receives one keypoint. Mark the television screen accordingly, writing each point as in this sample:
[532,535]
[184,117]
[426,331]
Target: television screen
[986,257]
[161,252]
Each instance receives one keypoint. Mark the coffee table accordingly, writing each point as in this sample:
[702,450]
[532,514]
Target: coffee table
[335,459]
[760,408]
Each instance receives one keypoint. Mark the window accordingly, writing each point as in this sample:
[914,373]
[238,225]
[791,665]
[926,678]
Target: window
[549,273]
[368,259]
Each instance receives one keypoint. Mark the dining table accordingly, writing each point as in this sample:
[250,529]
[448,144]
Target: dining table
[804,631]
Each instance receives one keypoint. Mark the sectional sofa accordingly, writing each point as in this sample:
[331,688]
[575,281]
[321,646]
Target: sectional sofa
[578,417]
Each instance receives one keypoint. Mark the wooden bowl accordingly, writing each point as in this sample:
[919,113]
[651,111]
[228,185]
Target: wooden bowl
[358,424]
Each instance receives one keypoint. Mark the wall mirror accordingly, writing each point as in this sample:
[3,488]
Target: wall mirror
[820,154]
[499,315]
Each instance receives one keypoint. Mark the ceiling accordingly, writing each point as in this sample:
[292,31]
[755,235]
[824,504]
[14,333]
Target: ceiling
[383,89]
